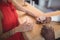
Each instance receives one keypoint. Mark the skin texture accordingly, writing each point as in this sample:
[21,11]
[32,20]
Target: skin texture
[48,32]
[43,20]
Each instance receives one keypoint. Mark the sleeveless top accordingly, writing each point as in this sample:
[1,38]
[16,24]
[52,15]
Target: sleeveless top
[10,17]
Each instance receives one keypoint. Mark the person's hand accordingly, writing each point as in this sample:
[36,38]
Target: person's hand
[26,26]
[40,19]
[43,19]
[48,32]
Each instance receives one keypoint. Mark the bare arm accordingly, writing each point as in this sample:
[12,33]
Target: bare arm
[47,17]
[21,8]
[20,28]
[54,13]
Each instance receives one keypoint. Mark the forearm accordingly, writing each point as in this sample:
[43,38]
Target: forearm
[10,33]
[26,11]
[54,13]
[17,5]
[21,8]
[31,14]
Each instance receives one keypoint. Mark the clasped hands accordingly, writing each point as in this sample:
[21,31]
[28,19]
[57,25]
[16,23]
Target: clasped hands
[43,19]
[26,26]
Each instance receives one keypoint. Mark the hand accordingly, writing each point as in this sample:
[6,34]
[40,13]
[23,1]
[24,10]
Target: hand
[26,26]
[48,32]
[43,19]
[48,19]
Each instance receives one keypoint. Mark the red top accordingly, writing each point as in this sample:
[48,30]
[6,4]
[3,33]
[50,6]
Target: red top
[10,17]
[16,36]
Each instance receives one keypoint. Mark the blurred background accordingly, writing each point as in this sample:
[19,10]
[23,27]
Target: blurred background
[46,5]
